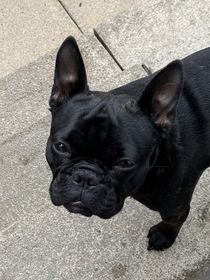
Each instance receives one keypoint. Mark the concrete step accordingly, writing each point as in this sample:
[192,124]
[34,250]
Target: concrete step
[30,29]
[157,32]
[25,93]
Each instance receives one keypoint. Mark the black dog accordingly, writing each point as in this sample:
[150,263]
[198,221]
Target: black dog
[148,139]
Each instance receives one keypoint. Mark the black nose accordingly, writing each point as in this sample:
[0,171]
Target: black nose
[85,178]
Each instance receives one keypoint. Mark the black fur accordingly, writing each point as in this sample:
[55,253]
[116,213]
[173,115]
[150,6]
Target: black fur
[148,139]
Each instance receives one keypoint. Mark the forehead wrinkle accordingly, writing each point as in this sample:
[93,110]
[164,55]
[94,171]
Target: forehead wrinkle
[104,109]
[112,114]
[94,112]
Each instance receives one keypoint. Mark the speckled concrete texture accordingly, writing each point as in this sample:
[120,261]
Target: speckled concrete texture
[39,240]
[156,32]
[30,29]
[90,13]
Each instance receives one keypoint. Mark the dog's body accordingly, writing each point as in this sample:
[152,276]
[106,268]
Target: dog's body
[148,139]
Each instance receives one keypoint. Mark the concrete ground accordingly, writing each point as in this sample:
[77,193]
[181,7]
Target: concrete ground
[37,239]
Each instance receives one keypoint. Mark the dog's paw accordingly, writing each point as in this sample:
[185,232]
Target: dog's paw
[161,236]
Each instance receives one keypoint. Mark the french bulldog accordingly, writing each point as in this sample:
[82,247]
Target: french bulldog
[148,140]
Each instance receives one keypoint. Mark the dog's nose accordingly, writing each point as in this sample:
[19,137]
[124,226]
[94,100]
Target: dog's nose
[85,178]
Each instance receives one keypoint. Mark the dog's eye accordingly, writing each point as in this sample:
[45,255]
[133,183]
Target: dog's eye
[60,147]
[126,164]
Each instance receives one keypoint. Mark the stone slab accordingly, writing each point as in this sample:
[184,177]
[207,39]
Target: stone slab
[30,29]
[157,32]
[90,13]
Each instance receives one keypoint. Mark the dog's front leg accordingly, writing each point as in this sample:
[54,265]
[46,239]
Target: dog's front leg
[163,235]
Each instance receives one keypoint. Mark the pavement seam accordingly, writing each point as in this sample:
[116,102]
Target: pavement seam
[101,41]
[70,15]
[98,37]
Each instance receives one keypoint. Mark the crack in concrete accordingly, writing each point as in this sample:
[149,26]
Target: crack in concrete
[95,33]
[99,38]
[107,49]
[71,17]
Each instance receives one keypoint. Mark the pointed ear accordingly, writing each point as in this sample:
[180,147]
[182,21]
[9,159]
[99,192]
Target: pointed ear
[70,76]
[160,98]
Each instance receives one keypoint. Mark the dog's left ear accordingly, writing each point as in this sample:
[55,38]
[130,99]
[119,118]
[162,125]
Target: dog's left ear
[70,75]
[160,97]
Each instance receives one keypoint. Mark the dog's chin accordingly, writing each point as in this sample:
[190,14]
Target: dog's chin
[78,207]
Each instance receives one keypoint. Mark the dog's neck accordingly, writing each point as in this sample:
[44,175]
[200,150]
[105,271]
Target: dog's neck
[168,149]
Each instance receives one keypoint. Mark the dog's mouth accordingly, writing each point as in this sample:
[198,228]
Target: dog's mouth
[78,204]
[78,207]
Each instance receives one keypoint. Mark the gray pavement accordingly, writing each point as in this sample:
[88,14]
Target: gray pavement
[38,240]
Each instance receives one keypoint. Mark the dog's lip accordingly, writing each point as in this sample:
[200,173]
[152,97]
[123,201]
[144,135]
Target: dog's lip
[78,207]
[78,204]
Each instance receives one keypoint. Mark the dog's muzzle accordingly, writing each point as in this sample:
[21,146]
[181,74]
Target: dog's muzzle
[86,189]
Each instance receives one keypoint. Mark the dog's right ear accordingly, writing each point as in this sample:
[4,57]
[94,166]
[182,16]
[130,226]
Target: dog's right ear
[160,98]
[70,75]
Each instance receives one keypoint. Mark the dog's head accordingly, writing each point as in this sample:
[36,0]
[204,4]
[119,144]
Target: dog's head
[102,145]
